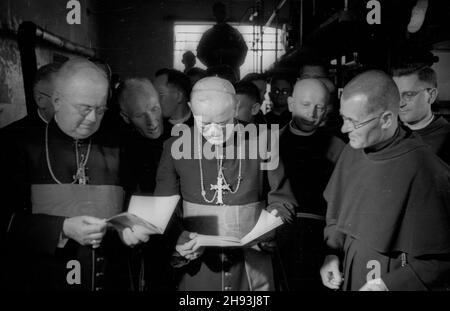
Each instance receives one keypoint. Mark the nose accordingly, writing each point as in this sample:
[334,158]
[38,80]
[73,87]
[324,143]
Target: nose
[403,103]
[151,118]
[91,116]
[315,112]
[345,128]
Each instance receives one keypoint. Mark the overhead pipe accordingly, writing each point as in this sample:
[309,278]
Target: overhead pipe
[63,43]
[27,35]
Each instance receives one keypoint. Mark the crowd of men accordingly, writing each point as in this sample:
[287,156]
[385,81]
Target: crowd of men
[364,208]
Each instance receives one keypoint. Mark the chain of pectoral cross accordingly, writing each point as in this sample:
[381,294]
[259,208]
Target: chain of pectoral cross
[222,184]
[80,175]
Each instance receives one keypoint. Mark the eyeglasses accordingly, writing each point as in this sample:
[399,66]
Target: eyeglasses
[357,125]
[283,92]
[84,110]
[45,94]
[410,95]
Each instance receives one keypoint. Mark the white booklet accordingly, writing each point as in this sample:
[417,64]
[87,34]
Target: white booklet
[266,223]
[152,213]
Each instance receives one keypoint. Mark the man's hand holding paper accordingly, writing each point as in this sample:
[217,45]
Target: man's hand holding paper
[188,246]
[146,216]
[260,232]
[135,235]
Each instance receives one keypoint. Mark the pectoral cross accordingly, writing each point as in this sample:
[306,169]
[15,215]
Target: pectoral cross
[220,187]
[81,177]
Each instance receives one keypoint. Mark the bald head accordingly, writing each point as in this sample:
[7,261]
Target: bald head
[75,70]
[311,88]
[79,97]
[213,97]
[369,109]
[308,103]
[377,88]
[213,103]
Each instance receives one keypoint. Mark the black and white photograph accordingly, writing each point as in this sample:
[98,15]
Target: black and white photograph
[224,154]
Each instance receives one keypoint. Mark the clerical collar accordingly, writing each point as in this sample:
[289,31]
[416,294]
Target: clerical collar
[413,128]
[42,118]
[296,131]
[181,120]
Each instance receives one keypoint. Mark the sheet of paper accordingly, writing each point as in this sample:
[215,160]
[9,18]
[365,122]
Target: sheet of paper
[155,210]
[266,223]
[218,241]
[127,220]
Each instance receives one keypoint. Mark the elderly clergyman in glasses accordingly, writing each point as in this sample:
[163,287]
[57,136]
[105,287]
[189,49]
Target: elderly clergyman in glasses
[66,177]
[388,214]
[417,85]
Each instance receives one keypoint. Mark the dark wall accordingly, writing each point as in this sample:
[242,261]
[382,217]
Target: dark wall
[134,36]
[50,15]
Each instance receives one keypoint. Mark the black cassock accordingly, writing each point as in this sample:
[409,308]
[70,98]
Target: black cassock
[38,255]
[437,136]
[309,159]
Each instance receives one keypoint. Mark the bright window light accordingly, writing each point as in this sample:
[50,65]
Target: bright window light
[188,35]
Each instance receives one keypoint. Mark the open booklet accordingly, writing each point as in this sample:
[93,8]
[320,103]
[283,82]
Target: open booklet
[152,213]
[266,223]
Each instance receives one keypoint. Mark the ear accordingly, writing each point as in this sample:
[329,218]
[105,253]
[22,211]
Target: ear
[433,95]
[179,97]
[387,119]
[290,101]
[255,108]
[56,101]
[39,99]
[125,117]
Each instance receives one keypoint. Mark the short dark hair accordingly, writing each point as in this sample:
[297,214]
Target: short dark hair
[424,73]
[277,77]
[45,72]
[178,79]
[249,89]
[254,76]
[381,91]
